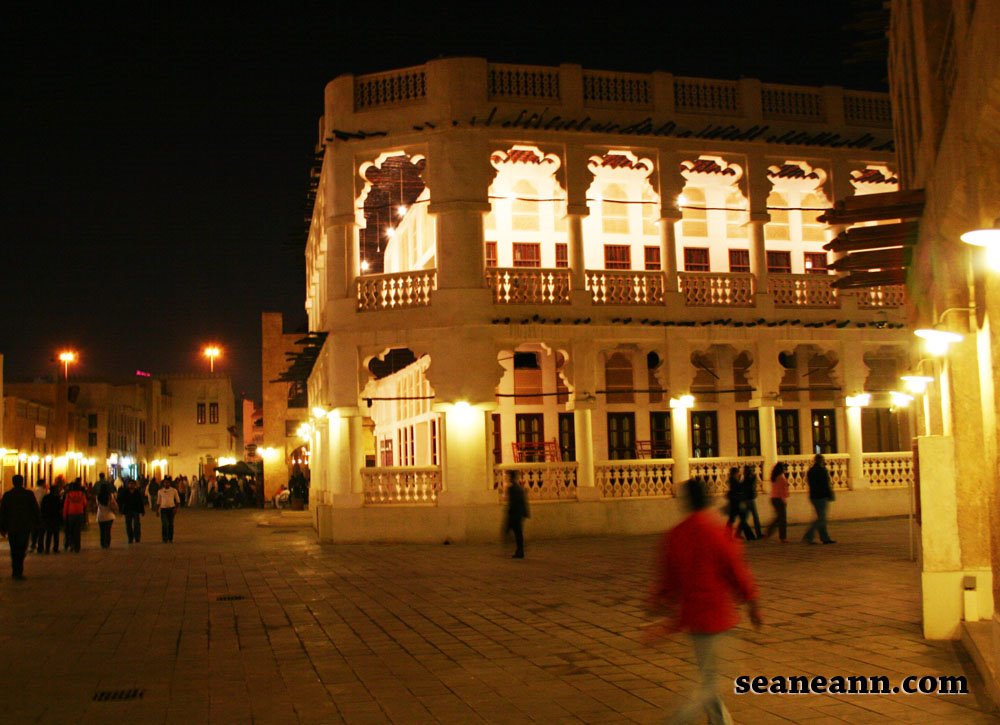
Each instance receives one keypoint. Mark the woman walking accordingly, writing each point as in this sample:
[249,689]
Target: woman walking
[779,500]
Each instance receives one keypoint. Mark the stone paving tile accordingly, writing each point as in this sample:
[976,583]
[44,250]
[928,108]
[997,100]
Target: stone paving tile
[461,634]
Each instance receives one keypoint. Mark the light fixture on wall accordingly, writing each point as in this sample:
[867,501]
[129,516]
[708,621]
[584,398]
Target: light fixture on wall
[861,400]
[916,384]
[900,400]
[936,340]
[989,239]
[682,401]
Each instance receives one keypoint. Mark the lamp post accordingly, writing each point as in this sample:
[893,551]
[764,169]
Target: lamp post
[67,358]
[212,352]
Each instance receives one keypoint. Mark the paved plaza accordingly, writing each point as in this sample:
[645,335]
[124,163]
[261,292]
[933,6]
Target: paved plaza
[238,622]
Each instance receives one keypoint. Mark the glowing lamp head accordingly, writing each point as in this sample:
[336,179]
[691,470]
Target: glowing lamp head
[67,356]
[860,400]
[682,401]
[364,265]
[989,239]
[319,411]
[916,384]
[900,400]
[682,201]
[937,342]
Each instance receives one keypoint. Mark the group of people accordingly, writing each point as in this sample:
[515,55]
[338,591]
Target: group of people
[741,502]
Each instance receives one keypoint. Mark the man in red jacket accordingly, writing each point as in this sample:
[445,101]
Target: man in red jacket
[700,578]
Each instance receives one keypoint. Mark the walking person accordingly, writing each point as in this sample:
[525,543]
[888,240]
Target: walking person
[750,498]
[106,508]
[74,515]
[699,579]
[167,502]
[737,509]
[52,517]
[38,533]
[19,516]
[779,501]
[820,496]
[132,504]
[517,512]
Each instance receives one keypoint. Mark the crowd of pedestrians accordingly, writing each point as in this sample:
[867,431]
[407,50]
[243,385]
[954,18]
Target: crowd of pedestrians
[33,519]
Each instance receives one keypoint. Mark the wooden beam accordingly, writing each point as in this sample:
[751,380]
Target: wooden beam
[893,258]
[855,280]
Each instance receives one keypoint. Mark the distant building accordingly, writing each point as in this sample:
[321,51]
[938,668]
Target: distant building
[609,282]
[174,424]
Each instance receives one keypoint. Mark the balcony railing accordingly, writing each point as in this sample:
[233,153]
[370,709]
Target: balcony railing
[893,295]
[715,471]
[625,287]
[401,484]
[394,291]
[888,470]
[711,289]
[634,478]
[803,290]
[528,285]
[541,481]
[798,467]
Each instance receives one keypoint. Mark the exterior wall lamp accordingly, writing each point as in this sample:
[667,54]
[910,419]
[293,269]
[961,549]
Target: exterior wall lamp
[900,400]
[989,239]
[936,341]
[916,384]
[861,400]
[683,401]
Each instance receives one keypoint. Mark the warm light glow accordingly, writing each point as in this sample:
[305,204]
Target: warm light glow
[916,384]
[683,401]
[319,411]
[268,454]
[860,400]
[113,458]
[304,431]
[212,352]
[900,400]
[33,458]
[681,201]
[990,240]
[48,458]
[937,342]
[390,232]
[401,210]
[364,265]
[225,461]
[67,358]
[22,457]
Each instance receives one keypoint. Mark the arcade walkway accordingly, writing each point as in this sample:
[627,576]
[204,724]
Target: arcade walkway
[240,623]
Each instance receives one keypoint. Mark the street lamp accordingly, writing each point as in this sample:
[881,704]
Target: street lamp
[67,357]
[212,352]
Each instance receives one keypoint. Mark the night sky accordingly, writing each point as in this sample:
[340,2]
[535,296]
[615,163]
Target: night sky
[156,164]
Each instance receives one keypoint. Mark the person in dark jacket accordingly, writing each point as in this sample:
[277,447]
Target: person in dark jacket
[18,516]
[132,504]
[820,496]
[517,512]
[737,505]
[52,517]
[750,494]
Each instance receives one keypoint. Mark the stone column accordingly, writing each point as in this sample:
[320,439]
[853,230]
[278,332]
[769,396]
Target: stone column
[459,243]
[855,463]
[577,262]
[680,444]
[583,431]
[356,452]
[758,251]
[855,374]
[668,247]
[466,472]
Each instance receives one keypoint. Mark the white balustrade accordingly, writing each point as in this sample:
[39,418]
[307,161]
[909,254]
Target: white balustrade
[702,95]
[528,285]
[602,88]
[717,289]
[863,108]
[541,481]
[634,478]
[390,89]
[803,290]
[798,467]
[397,290]
[625,287]
[516,81]
[401,484]
[888,470]
[715,471]
[792,102]
[883,296]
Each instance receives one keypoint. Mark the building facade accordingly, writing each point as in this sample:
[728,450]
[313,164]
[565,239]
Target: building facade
[609,282]
[945,80]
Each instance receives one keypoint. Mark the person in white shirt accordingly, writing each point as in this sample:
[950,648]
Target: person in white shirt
[167,501]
